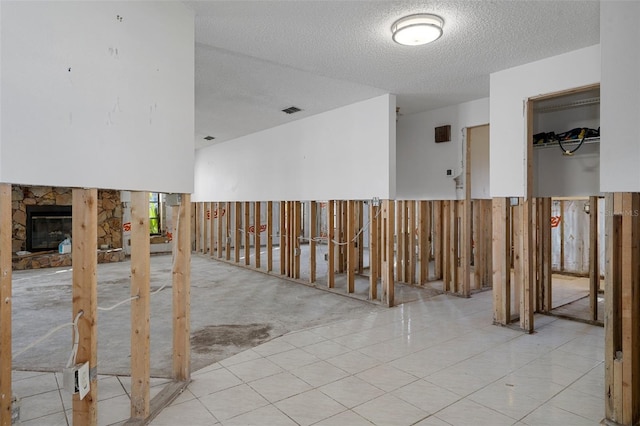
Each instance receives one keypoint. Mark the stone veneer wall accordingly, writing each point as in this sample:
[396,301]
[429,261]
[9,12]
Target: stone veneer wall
[109,212]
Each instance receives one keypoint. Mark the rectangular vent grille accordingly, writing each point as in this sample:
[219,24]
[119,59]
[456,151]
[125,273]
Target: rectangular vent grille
[291,110]
[209,138]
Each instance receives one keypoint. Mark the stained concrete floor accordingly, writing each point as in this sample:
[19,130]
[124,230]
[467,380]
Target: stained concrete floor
[232,309]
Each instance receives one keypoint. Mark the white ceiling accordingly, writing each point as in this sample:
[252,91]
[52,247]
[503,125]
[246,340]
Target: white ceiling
[255,58]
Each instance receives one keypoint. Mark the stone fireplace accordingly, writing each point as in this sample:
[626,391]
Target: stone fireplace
[42,219]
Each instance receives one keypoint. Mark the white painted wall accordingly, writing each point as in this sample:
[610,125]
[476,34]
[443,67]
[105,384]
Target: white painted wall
[558,175]
[345,153]
[480,145]
[620,99]
[89,100]
[422,163]
[509,90]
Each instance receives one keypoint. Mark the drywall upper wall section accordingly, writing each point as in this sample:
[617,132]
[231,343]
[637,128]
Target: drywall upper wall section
[620,96]
[345,153]
[508,92]
[98,94]
[423,164]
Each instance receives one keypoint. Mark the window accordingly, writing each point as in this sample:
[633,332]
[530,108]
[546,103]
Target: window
[154,213]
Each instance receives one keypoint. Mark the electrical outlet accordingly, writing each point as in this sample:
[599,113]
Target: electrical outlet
[76,379]
[449,172]
[83,380]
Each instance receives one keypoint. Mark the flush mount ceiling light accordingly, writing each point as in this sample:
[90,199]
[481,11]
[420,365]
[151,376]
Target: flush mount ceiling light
[418,29]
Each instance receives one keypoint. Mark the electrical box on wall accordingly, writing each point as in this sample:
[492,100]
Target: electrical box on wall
[443,133]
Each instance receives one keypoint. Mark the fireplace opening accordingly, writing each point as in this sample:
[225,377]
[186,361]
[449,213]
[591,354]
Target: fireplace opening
[47,226]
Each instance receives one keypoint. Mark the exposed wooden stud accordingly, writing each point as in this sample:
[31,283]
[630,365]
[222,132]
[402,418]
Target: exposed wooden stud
[140,305]
[198,226]
[84,255]
[437,240]
[247,235]
[594,263]
[424,243]
[351,246]
[221,217]
[373,251]
[388,289]
[181,284]
[465,244]
[411,242]
[445,226]
[360,244]
[283,238]
[400,215]
[227,250]
[331,256]
[269,236]
[528,293]
[454,239]
[238,227]
[6,227]
[296,241]
[313,234]
[256,231]
[340,237]
[562,210]
[517,231]
[501,260]
[545,226]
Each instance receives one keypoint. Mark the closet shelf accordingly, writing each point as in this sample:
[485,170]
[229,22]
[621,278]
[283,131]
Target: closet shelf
[567,144]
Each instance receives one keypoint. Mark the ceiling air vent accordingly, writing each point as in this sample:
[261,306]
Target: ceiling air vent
[291,110]
[209,138]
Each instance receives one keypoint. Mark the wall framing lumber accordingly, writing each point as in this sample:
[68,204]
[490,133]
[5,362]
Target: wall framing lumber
[594,261]
[465,242]
[351,246]
[388,215]
[501,260]
[237,213]
[360,243]
[247,235]
[283,238]
[424,240]
[438,249]
[181,284]
[374,245]
[256,232]
[313,231]
[545,226]
[400,241]
[297,235]
[269,236]
[411,240]
[445,226]
[140,305]
[221,217]
[227,249]
[331,255]
[5,303]
[84,255]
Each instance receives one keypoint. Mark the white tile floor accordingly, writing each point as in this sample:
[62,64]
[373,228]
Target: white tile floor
[435,362]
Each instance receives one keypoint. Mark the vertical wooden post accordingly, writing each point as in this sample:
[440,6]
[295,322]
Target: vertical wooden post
[84,255]
[545,224]
[373,251]
[197,226]
[269,236]
[445,226]
[140,305]
[438,250]
[411,242]
[296,241]
[351,246]
[424,243]
[6,227]
[388,216]
[247,234]
[283,237]
[313,234]
[360,254]
[454,239]
[238,226]
[227,249]
[256,230]
[501,257]
[613,309]
[594,264]
[525,281]
[466,241]
[331,256]
[181,284]
[221,217]
[399,217]
[518,273]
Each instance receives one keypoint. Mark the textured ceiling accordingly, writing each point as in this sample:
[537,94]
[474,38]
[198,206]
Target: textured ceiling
[254,58]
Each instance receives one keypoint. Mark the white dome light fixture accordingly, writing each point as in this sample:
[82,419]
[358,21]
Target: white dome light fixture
[418,29]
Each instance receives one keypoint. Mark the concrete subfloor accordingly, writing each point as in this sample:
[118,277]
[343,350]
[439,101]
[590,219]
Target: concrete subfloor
[232,309]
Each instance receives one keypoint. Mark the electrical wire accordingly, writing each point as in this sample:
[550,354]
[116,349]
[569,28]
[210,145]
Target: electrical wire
[566,151]
[76,340]
[49,334]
